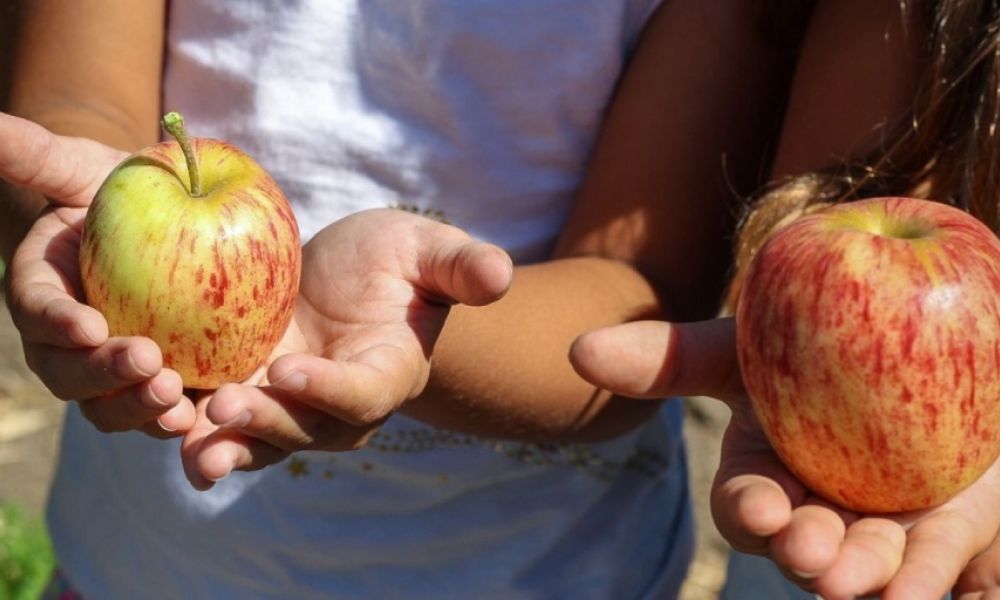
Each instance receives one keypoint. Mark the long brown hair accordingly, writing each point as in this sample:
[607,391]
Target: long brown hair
[947,148]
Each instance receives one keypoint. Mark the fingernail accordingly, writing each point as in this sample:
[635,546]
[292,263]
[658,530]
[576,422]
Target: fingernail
[164,427]
[294,381]
[242,419]
[125,366]
[803,575]
[87,336]
[151,400]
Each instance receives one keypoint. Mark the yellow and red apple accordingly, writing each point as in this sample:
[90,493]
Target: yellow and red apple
[869,342]
[192,243]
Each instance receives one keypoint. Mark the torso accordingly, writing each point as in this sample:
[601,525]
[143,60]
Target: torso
[481,113]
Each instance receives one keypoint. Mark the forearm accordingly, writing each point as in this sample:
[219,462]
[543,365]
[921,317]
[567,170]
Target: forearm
[502,370]
[91,68]
[88,69]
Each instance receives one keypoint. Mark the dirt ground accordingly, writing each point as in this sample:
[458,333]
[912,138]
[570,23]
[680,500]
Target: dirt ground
[30,419]
[29,426]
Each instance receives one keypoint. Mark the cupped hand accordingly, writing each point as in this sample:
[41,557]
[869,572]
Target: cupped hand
[761,508]
[119,382]
[375,291]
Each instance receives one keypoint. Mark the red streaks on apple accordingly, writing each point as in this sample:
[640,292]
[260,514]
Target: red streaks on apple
[873,328]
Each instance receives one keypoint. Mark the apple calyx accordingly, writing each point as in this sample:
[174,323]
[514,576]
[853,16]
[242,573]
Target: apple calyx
[173,123]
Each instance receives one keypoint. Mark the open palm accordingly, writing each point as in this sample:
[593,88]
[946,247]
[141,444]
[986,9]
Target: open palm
[375,291]
[119,382]
[762,508]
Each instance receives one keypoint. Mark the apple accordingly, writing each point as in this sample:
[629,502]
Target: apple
[868,337]
[192,244]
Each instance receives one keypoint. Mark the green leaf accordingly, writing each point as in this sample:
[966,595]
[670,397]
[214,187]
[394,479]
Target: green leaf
[26,559]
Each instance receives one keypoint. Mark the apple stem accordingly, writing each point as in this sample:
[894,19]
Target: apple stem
[173,123]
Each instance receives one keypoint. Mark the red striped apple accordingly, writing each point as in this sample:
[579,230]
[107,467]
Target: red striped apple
[191,243]
[869,342]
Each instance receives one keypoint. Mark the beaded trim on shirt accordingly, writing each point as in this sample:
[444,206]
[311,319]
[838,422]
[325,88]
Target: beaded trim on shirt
[579,456]
[430,213]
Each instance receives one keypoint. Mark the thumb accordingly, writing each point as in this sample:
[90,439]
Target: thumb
[654,359]
[460,269]
[67,170]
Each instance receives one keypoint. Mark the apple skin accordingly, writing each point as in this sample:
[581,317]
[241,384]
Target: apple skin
[211,279]
[868,337]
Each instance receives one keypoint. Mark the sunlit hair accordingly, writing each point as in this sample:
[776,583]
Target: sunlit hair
[946,148]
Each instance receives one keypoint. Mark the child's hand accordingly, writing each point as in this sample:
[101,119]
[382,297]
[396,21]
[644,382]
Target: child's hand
[119,383]
[761,508]
[376,290]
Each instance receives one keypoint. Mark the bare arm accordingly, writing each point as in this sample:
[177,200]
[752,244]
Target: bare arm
[856,78]
[89,69]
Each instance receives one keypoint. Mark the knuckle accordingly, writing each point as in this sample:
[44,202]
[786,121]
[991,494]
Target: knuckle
[16,306]
[379,406]
[102,420]
[33,360]
[345,442]
[266,459]
[33,302]
[13,283]
[373,413]
[100,423]
[40,363]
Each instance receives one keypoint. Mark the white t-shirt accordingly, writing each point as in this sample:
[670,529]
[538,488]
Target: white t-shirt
[480,112]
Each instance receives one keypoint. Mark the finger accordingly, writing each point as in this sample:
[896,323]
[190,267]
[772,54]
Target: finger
[361,391]
[55,319]
[651,359]
[225,451]
[456,268]
[42,280]
[45,313]
[76,374]
[748,510]
[176,422]
[809,544]
[68,170]
[191,443]
[870,555]
[266,414]
[135,406]
[937,550]
[209,453]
